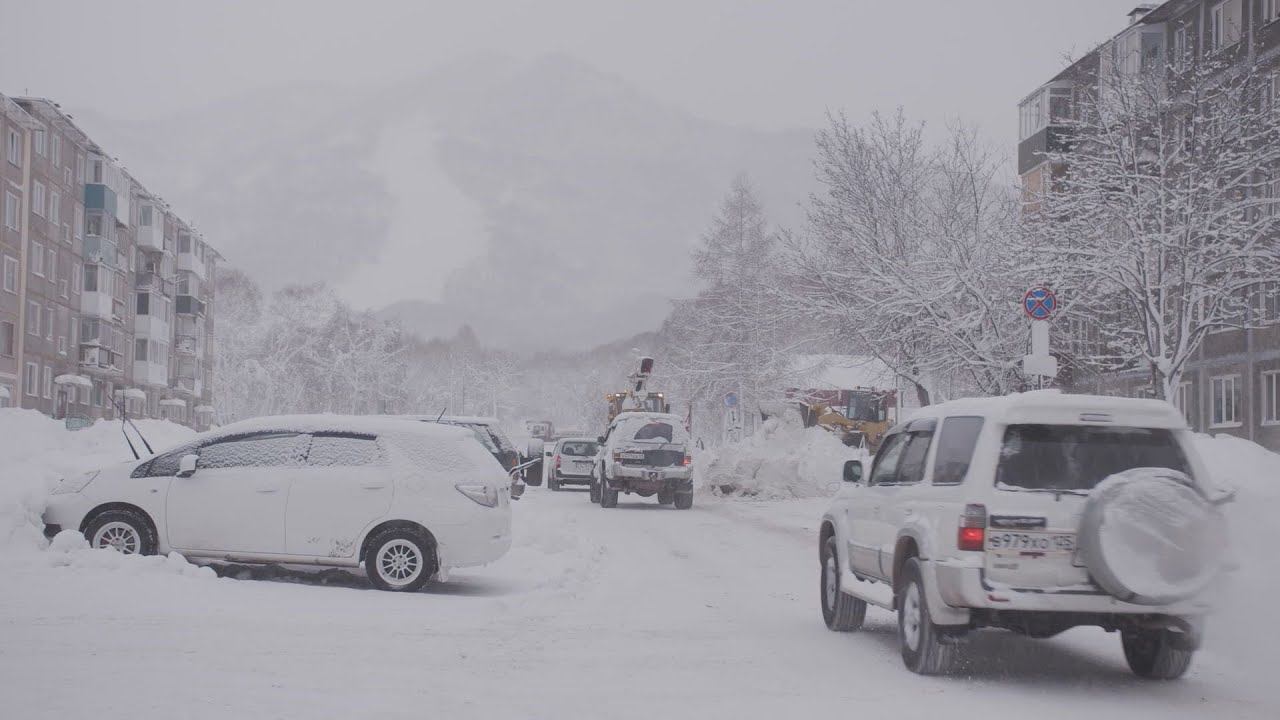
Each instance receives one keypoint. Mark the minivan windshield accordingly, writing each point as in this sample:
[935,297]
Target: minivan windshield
[1073,457]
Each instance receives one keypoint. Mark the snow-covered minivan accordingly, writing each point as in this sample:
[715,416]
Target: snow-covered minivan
[1034,513]
[405,500]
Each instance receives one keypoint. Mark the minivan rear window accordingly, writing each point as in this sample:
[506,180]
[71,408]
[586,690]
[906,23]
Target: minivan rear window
[1074,457]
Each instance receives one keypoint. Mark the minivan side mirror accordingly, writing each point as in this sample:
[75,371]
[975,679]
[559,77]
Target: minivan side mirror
[853,471]
[187,465]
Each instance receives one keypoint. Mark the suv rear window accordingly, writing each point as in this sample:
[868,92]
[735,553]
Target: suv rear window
[579,449]
[1073,457]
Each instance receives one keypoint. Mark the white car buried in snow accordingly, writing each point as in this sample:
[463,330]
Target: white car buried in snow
[1034,513]
[405,500]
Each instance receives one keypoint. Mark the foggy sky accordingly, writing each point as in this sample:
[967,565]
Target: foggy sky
[762,65]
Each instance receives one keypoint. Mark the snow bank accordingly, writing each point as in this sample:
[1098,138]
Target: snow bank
[36,450]
[781,460]
[1245,628]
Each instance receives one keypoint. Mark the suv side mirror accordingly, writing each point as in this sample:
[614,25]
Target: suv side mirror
[853,471]
[187,465]
[600,439]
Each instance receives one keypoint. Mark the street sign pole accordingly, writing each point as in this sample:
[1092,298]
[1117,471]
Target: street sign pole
[1039,304]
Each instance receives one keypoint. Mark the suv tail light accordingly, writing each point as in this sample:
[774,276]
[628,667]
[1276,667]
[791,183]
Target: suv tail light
[557,462]
[688,460]
[973,528]
[617,456]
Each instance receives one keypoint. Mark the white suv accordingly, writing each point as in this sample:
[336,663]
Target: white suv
[1034,513]
[644,453]
[406,500]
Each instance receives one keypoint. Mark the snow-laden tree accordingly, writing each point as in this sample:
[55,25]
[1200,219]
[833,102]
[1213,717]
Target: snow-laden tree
[1160,225]
[910,256]
[731,336]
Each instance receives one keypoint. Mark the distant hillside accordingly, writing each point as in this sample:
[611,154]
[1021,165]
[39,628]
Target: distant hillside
[546,204]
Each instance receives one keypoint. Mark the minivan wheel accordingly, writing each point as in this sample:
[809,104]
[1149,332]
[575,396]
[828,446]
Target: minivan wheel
[841,611]
[1155,655]
[399,560]
[922,649]
[125,530]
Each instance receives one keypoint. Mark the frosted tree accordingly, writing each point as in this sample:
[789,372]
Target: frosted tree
[909,256]
[1160,224]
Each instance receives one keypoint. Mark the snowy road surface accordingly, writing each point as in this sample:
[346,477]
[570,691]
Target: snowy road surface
[638,612]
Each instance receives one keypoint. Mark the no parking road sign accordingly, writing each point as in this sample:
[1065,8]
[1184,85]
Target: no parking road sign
[1039,303]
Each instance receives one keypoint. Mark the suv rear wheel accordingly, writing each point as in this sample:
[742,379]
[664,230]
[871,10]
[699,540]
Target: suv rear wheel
[1155,654]
[922,649]
[608,496]
[841,611]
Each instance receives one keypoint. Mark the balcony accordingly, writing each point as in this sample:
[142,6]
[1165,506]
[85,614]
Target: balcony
[151,237]
[190,305]
[100,197]
[149,373]
[100,250]
[190,262]
[97,304]
[99,361]
[151,282]
[187,344]
[190,385]
[152,327]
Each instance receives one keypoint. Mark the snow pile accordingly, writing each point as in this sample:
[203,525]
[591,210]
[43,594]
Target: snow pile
[1244,628]
[35,451]
[781,460]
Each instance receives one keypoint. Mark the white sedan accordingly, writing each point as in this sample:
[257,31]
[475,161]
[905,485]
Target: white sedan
[406,500]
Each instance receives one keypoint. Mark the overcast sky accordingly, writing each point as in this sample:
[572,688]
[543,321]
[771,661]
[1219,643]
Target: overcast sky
[760,64]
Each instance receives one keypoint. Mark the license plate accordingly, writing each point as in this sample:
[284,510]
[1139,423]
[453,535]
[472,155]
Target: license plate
[632,455]
[1031,543]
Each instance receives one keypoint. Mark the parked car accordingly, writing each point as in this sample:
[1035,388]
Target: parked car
[405,500]
[487,431]
[647,454]
[571,461]
[1033,513]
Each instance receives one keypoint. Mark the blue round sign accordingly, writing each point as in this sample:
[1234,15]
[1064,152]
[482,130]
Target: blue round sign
[1039,303]
[731,399]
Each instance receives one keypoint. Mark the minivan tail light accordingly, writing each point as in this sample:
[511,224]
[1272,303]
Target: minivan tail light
[480,493]
[972,534]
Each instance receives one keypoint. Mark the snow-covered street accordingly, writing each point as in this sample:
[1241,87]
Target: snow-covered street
[637,612]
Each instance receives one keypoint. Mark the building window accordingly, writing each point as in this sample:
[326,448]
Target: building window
[144,215]
[13,148]
[11,274]
[79,168]
[37,198]
[1182,401]
[77,227]
[48,322]
[1226,401]
[7,340]
[31,380]
[77,278]
[144,303]
[62,287]
[1270,397]
[1225,24]
[33,318]
[1180,48]
[55,206]
[140,350]
[91,278]
[40,142]
[51,266]
[48,382]
[55,147]
[37,259]
[62,345]
[11,211]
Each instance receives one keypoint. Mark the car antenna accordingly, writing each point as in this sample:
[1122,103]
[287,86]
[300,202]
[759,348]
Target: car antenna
[124,420]
[443,410]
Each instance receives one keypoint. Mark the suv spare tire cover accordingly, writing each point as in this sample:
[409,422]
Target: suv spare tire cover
[1149,537]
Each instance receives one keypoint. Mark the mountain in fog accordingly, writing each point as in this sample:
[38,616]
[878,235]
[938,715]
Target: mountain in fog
[545,204]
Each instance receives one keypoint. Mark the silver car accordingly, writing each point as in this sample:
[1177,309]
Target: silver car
[571,462]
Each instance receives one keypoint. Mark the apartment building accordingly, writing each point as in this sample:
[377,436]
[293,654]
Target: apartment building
[106,292]
[1233,384]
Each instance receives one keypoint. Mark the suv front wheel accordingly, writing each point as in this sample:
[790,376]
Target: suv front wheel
[841,611]
[922,649]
